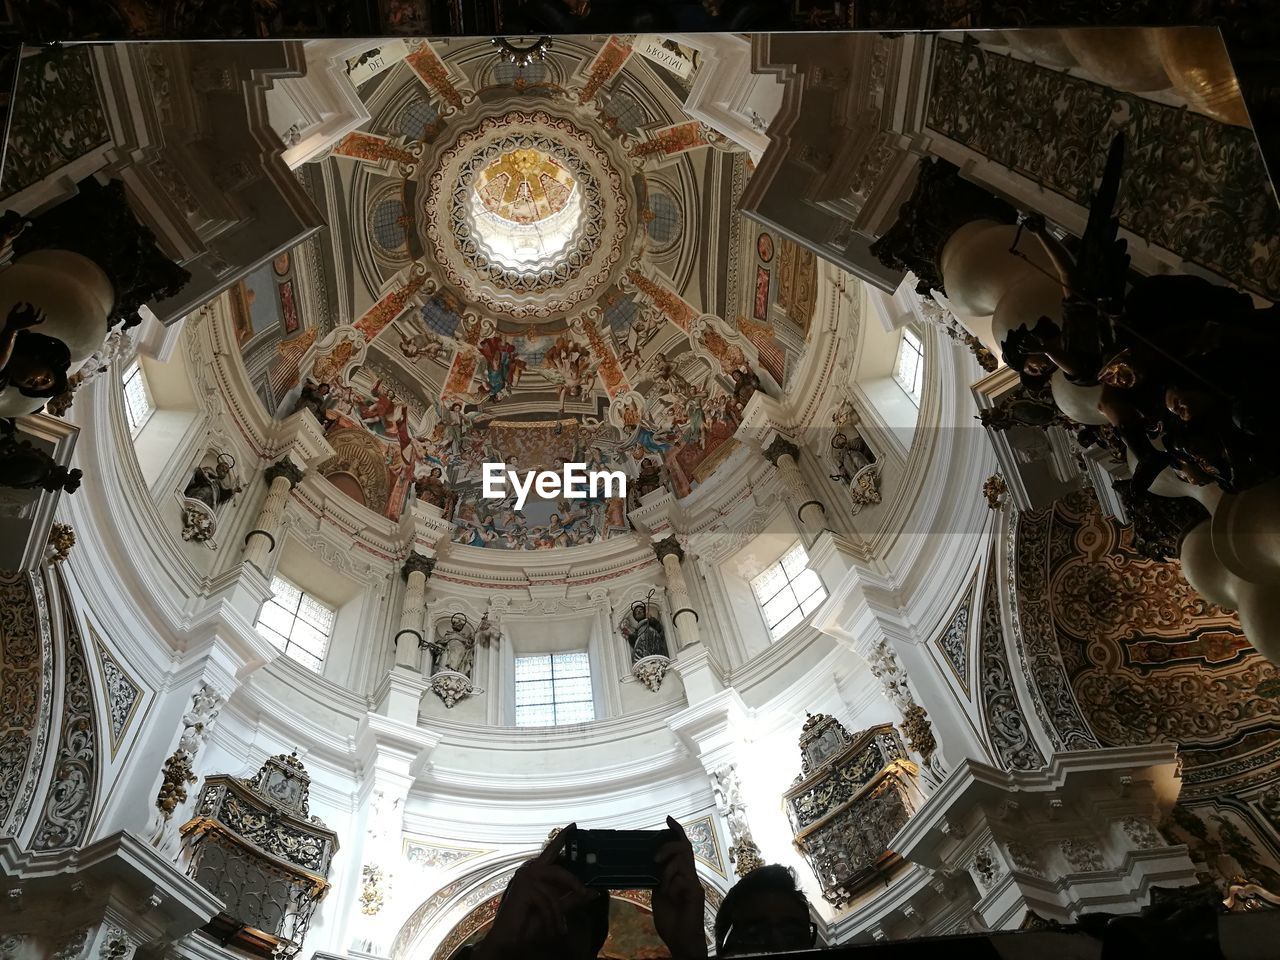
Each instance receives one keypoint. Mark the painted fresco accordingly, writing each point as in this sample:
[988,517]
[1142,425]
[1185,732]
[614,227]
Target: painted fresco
[664,420]
[1123,651]
[256,306]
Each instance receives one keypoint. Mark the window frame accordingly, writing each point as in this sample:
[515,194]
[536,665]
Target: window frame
[271,635]
[134,372]
[555,702]
[802,603]
[914,345]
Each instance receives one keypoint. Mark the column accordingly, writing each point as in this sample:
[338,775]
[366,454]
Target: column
[260,542]
[408,641]
[683,615]
[785,455]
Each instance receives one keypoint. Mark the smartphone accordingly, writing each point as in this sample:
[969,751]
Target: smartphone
[615,859]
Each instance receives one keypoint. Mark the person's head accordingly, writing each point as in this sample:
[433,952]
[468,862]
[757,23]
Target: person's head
[839,441]
[458,621]
[764,912]
[435,472]
[38,365]
[638,610]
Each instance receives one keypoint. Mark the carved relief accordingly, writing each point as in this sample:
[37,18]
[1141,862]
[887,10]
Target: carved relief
[25,691]
[65,818]
[123,694]
[177,772]
[1006,724]
[953,642]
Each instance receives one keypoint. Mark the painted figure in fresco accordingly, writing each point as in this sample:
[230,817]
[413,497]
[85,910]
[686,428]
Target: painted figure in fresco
[319,399]
[35,364]
[432,489]
[650,477]
[425,343]
[745,385]
[457,646]
[570,367]
[503,367]
[643,633]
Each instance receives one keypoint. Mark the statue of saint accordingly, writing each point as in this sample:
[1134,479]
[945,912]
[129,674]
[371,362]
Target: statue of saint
[644,633]
[457,646]
[213,486]
[849,456]
[35,364]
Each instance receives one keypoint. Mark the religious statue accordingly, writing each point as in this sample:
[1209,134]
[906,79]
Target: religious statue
[643,633]
[1177,366]
[213,485]
[487,635]
[318,398]
[456,646]
[849,456]
[33,363]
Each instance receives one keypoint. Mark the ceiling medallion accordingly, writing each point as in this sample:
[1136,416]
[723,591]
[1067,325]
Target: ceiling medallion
[527,215]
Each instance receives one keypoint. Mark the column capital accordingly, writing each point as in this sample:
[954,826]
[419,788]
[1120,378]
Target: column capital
[668,546]
[781,446]
[417,563]
[284,467]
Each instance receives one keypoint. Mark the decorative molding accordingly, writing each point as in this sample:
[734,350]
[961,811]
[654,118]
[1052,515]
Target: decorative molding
[953,642]
[64,821]
[123,693]
[1006,723]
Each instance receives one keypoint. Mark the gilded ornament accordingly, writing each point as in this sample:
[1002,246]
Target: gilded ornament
[61,539]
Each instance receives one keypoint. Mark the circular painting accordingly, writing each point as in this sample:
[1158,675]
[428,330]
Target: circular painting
[281,264]
[764,247]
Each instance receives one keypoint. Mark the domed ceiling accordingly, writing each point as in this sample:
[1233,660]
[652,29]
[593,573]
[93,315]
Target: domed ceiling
[537,265]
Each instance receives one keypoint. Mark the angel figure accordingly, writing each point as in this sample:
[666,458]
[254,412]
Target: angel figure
[487,634]
[570,367]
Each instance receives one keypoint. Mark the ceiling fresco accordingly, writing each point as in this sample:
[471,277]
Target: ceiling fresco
[526,288]
[1122,649]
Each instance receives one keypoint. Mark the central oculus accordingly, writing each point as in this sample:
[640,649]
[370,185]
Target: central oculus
[528,215]
[525,208]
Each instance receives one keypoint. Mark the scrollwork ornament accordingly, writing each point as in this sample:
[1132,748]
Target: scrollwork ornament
[651,671]
[371,892]
[64,821]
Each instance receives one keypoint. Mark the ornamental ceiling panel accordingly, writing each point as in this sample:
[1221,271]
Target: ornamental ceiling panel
[533,285]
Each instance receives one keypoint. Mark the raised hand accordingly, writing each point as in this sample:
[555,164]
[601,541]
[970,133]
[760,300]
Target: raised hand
[533,912]
[679,901]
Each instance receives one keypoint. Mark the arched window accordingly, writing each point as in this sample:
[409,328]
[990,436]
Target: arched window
[388,226]
[908,370]
[506,74]
[297,624]
[554,689]
[665,224]
[137,398]
[415,118]
[625,111]
[788,591]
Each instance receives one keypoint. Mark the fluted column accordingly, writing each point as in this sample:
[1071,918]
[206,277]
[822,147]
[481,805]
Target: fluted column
[283,476]
[415,571]
[785,456]
[683,615]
